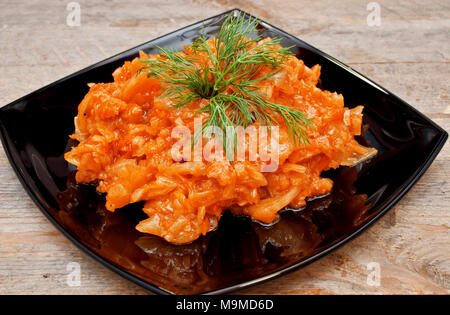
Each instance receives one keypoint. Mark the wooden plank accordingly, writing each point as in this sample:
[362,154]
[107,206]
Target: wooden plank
[408,54]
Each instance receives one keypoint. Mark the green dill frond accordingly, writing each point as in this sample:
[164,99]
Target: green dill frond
[234,64]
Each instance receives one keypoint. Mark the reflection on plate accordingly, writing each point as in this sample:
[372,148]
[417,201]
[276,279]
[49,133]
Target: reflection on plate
[238,251]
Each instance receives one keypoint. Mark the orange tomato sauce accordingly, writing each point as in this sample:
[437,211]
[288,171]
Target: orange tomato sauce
[124,133]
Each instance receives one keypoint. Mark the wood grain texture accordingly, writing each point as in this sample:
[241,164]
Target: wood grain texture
[409,54]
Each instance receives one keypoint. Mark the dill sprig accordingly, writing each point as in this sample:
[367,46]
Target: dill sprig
[229,76]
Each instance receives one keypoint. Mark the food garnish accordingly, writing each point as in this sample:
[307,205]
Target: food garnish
[227,72]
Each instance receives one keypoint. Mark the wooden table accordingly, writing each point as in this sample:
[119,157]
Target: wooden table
[409,53]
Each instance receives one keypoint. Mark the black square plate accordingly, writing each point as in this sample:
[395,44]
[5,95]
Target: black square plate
[35,129]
